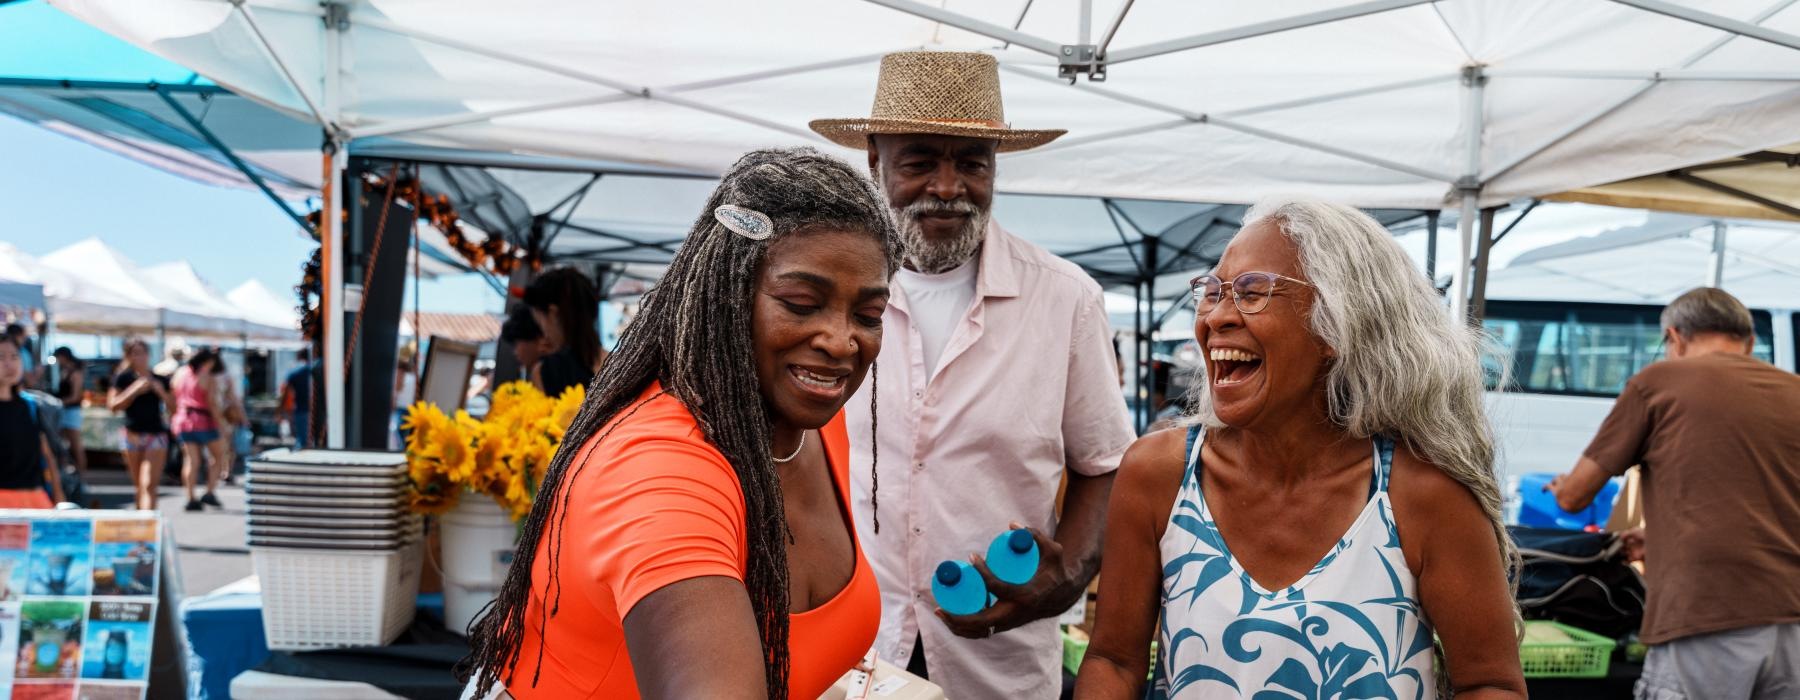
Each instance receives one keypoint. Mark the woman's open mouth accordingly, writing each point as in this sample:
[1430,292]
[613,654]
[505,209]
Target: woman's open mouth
[821,383]
[1231,366]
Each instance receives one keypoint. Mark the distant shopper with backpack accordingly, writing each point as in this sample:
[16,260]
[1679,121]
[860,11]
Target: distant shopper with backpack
[296,399]
[1715,431]
[26,462]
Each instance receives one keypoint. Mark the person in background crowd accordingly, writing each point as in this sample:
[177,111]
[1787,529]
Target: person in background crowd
[296,399]
[1717,433]
[565,306]
[691,538]
[233,423]
[174,358]
[26,461]
[1332,504]
[406,392]
[70,386]
[27,355]
[522,334]
[994,388]
[144,399]
[197,421]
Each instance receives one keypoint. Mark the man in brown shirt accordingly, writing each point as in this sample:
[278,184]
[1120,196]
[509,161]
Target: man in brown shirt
[1718,434]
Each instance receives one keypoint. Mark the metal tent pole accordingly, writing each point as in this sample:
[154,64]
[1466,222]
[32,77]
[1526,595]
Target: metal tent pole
[332,303]
[1470,187]
[1715,273]
[1484,243]
[1137,353]
[1431,240]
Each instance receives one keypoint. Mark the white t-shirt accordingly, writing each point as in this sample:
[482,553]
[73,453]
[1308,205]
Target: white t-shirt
[937,304]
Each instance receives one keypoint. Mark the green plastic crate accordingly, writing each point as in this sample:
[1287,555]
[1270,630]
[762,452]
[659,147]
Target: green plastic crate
[1585,655]
[1074,650]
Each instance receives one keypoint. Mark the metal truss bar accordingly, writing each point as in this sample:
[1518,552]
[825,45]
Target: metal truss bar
[1580,124]
[1110,94]
[429,123]
[1260,28]
[1175,303]
[1113,214]
[579,196]
[668,247]
[1113,30]
[1672,75]
[970,24]
[742,78]
[213,140]
[269,52]
[1722,188]
[1343,95]
[1708,19]
[60,84]
[636,90]
[1333,150]
[1515,222]
[1211,218]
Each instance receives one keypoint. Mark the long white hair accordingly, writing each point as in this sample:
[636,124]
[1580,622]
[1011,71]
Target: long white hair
[1403,368]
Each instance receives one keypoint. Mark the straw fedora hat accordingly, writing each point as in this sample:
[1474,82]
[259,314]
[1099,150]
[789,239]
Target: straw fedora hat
[936,92]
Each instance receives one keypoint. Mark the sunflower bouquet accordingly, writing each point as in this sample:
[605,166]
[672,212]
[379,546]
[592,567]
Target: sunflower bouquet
[502,456]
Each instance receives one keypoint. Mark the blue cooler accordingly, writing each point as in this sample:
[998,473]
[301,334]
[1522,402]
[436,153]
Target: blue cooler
[1538,508]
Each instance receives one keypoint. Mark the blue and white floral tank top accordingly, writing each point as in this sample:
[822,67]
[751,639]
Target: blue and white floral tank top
[1350,628]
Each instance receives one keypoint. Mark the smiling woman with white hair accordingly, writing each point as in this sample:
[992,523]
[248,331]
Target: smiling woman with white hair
[1332,503]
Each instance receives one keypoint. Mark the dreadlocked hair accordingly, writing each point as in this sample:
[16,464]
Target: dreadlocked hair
[693,335]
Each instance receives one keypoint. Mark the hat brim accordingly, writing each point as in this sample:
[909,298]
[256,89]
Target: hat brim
[855,133]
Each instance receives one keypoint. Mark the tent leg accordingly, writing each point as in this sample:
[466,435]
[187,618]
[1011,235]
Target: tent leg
[1459,283]
[1484,243]
[331,301]
[1715,273]
[1137,353]
[1431,241]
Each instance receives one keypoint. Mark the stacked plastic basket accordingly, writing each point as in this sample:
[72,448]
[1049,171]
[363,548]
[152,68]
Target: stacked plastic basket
[335,549]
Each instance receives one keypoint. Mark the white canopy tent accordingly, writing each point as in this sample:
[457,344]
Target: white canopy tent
[20,291]
[1758,262]
[1379,103]
[178,281]
[259,305]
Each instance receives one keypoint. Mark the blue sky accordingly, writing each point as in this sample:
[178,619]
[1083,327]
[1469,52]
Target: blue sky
[55,190]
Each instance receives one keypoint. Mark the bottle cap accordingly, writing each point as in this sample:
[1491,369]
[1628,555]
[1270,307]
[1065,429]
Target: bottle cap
[949,574]
[1020,541]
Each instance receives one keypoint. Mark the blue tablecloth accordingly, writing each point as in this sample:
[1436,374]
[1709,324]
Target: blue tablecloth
[225,638]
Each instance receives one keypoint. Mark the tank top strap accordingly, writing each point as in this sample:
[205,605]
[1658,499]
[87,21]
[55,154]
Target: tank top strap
[1384,463]
[1195,437]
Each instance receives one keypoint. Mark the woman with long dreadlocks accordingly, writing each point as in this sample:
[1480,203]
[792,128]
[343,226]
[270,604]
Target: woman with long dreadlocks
[692,536]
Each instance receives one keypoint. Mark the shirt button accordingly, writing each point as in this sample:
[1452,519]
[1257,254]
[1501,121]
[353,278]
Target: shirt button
[917,394]
[919,466]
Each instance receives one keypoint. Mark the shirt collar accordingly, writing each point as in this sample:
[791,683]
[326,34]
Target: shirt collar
[999,274]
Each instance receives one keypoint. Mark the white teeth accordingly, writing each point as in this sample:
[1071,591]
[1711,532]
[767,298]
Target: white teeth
[1231,355]
[817,380]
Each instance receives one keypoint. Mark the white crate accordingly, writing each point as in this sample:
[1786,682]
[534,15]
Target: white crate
[320,598]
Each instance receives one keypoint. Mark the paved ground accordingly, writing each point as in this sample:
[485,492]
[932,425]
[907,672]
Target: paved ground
[211,543]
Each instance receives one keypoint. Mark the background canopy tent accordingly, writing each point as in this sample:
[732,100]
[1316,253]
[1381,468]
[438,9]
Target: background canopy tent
[1758,185]
[1404,104]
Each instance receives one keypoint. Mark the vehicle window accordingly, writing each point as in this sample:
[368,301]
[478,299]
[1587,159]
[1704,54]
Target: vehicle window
[1581,349]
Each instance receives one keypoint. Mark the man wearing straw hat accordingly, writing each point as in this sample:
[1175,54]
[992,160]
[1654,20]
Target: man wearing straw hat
[996,385]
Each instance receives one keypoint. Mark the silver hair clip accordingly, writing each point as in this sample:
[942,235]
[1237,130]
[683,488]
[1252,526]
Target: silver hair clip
[748,223]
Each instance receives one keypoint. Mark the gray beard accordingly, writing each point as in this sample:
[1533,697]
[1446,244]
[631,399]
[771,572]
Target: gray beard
[933,257]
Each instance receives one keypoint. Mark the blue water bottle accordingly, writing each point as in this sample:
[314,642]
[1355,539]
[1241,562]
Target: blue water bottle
[1013,557]
[958,588]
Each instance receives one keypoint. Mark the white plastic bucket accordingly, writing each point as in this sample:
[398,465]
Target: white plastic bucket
[477,541]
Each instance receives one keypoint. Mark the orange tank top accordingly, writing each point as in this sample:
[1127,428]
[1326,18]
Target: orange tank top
[655,503]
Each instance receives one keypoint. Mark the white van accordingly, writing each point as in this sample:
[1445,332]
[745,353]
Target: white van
[1569,360]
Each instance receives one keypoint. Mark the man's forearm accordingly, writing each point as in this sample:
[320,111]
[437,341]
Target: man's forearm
[1578,489]
[1082,529]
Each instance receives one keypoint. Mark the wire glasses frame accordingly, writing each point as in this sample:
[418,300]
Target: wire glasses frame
[1250,292]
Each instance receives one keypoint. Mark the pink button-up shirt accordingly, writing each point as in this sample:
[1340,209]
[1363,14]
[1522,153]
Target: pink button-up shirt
[1028,386]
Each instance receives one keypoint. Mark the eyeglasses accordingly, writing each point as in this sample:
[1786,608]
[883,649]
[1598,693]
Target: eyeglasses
[1250,291]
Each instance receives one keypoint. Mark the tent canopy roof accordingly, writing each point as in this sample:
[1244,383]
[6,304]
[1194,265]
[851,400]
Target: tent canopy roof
[1760,185]
[1202,102]
[1657,261]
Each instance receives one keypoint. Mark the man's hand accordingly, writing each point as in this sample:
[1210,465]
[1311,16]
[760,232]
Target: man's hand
[1575,490]
[1634,543]
[1047,594]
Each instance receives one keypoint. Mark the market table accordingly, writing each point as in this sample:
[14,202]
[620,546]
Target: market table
[225,634]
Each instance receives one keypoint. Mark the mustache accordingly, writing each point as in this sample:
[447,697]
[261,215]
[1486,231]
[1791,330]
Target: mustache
[930,206]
